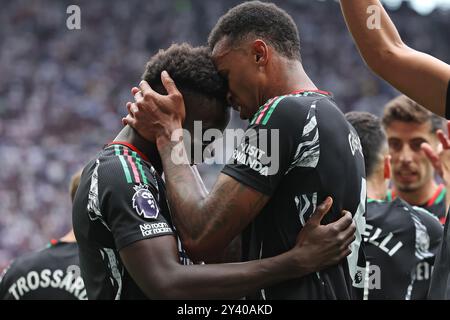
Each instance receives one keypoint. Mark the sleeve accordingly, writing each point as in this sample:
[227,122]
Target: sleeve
[447,107]
[132,204]
[435,229]
[269,146]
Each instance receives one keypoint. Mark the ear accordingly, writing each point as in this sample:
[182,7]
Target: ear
[260,52]
[387,166]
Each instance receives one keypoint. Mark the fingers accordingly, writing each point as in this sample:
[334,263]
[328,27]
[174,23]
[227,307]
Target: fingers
[168,83]
[348,236]
[137,94]
[343,223]
[132,109]
[346,252]
[134,90]
[129,120]
[147,92]
[443,138]
[321,210]
[433,157]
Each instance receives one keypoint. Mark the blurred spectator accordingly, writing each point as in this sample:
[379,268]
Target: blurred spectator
[63,92]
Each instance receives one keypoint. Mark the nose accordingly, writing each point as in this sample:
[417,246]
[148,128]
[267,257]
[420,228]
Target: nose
[406,154]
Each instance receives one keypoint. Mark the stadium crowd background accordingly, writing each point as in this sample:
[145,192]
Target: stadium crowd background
[63,92]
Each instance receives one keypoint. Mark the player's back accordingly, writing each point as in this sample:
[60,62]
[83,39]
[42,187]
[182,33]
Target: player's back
[52,273]
[401,242]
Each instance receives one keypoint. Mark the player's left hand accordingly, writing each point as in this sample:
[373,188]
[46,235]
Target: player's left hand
[153,115]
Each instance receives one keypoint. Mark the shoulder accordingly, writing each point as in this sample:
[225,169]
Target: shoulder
[26,262]
[120,167]
[427,217]
[288,107]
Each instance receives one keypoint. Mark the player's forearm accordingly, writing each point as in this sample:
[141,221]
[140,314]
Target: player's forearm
[372,29]
[187,198]
[230,281]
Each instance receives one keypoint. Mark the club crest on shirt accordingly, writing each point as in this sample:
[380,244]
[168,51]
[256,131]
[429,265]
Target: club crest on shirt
[144,202]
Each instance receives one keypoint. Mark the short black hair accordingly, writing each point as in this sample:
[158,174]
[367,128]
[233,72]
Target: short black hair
[371,135]
[405,109]
[191,68]
[264,20]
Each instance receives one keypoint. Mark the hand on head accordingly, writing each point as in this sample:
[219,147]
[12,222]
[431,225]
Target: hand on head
[154,115]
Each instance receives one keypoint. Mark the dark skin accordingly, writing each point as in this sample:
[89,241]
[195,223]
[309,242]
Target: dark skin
[154,263]
[208,222]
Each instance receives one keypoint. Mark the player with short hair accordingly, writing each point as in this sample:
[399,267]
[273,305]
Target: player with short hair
[52,273]
[129,248]
[401,241]
[407,126]
[270,187]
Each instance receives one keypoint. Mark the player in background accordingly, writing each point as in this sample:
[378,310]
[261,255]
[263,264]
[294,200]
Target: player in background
[52,273]
[407,126]
[401,240]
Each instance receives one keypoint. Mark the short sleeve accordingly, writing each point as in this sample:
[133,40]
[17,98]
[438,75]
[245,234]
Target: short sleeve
[271,144]
[131,210]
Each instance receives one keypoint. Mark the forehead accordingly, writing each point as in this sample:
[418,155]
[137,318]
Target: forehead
[203,107]
[409,130]
[224,53]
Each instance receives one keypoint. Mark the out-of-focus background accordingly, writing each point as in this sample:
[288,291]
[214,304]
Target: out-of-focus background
[63,92]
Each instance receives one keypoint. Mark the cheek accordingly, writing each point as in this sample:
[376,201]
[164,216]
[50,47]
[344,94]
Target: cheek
[394,157]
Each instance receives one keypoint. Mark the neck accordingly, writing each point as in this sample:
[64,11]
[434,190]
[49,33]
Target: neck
[70,237]
[376,188]
[129,135]
[289,76]
[420,196]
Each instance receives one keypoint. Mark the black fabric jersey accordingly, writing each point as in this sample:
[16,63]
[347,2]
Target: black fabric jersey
[435,205]
[299,149]
[121,199]
[401,242]
[440,280]
[49,274]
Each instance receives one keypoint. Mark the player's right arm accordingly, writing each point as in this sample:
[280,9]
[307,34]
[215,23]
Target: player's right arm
[420,76]
[154,265]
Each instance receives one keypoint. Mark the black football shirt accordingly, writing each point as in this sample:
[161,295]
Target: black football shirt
[52,273]
[121,199]
[436,204]
[298,149]
[440,280]
[401,242]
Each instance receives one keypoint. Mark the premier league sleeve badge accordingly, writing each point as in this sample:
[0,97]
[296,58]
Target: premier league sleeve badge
[144,202]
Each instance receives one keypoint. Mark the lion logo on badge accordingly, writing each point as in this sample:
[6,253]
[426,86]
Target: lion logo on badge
[144,202]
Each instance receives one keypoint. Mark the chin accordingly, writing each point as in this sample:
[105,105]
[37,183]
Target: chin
[407,187]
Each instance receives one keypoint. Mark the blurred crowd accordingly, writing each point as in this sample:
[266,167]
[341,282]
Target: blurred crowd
[63,92]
